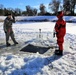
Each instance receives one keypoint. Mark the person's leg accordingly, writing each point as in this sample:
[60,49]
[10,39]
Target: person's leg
[60,48]
[60,44]
[7,39]
[13,39]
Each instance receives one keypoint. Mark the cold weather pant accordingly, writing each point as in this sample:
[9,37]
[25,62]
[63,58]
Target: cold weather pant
[60,41]
[11,34]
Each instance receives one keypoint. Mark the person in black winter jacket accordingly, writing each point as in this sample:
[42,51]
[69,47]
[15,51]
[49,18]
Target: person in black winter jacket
[8,29]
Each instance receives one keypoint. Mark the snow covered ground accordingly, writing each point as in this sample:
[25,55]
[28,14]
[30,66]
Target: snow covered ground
[14,62]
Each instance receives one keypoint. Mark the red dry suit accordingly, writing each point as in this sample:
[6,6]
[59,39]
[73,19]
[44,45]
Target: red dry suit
[60,29]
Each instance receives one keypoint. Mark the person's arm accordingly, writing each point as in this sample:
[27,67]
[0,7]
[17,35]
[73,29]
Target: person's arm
[54,33]
[57,28]
[13,18]
[4,26]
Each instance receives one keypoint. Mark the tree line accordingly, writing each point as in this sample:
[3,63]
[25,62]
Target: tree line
[68,6]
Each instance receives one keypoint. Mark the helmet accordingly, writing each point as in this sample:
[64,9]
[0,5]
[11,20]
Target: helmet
[60,14]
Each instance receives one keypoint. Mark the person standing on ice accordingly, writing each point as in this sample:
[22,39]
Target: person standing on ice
[8,29]
[60,31]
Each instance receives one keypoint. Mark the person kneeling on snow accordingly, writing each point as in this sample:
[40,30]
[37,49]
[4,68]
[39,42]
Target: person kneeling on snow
[60,31]
[8,29]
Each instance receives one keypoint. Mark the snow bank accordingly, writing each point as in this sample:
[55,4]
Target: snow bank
[50,18]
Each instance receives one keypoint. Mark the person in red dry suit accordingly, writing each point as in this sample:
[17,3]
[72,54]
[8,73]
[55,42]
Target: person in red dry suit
[60,31]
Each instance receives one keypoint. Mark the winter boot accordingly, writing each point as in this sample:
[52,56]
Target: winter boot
[8,44]
[16,43]
[59,52]
[56,51]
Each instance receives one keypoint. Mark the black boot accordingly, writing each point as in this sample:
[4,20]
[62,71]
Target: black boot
[56,52]
[59,52]
[16,43]
[8,44]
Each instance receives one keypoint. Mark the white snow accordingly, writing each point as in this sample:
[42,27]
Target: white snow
[51,18]
[35,63]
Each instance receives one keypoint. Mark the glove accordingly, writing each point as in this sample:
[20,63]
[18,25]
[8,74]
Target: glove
[5,31]
[13,17]
[54,34]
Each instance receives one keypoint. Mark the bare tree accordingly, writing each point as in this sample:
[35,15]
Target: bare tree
[66,5]
[18,12]
[1,9]
[42,9]
[31,11]
[54,5]
[69,6]
[73,3]
[34,11]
